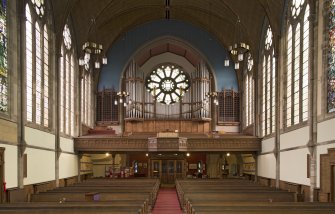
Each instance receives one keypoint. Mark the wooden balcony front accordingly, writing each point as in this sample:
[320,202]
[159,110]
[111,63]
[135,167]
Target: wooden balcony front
[172,144]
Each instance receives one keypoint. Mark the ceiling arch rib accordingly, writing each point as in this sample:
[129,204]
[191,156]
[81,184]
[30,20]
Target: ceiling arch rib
[144,55]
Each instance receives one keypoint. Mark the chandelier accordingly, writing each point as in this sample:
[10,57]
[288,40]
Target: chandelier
[123,98]
[213,96]
[92,50]
[239,47]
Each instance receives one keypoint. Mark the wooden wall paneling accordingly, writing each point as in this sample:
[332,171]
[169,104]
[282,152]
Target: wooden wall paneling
[195,127]
[333,184]
[2,172]
[324,178]
[139,126]
[207,127]
[183,126]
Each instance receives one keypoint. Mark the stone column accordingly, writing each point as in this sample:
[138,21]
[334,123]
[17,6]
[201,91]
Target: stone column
[277,112]
[312,90]
[21,109]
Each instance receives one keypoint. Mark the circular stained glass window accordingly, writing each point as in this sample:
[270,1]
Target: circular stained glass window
[167,83]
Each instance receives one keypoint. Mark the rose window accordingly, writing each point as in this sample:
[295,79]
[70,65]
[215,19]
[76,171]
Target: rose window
[167,83]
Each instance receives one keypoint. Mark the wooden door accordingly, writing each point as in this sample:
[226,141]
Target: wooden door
[333,183]
[167,170]
[156,169]
[171,176]
[179,168]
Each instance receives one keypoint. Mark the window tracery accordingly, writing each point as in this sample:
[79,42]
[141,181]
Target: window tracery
[297,55]
[37,63]
[268,85]
[67,85]
[167,83]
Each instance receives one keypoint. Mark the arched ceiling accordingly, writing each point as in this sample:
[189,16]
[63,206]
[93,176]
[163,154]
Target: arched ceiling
[115,17]
[147,53]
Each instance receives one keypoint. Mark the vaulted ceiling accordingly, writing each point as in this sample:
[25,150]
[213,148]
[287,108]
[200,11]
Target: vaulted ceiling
[115,17]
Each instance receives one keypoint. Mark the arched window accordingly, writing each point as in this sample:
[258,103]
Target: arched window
[331,59]
[3,57]
[268,107]
[37,63]
[67,85]
[86,97]
[297,68]
[86,92]
[249,92]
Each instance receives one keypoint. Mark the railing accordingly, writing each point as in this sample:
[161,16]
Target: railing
[229,143]
[110,144]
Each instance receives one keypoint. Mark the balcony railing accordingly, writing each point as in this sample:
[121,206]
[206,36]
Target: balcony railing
[157,144]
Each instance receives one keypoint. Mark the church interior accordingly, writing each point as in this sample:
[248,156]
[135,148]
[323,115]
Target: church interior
[228,100]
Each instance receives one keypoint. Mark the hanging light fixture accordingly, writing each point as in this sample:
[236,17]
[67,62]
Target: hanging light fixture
[226,62]
[123,98]
[92,50]
[213,96]
[239,47]
[237,65]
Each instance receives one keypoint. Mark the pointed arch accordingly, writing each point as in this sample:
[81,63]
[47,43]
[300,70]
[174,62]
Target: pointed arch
[37,63]
[68,84]
[249,92]
[297,62]
[268,83]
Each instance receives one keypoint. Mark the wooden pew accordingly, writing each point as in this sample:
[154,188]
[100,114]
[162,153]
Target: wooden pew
[239,196]
[70,208]
[240,191]
[127,196]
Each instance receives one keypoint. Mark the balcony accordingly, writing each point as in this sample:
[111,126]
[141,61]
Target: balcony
[168,144]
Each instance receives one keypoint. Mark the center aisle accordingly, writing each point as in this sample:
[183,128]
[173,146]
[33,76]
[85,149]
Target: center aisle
[167,202]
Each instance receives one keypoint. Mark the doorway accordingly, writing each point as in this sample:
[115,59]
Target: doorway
[167,170]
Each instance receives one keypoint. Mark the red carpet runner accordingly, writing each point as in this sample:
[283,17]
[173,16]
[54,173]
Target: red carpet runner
[167,202]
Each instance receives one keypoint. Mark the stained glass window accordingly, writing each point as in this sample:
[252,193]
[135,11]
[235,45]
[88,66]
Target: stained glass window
[268,85]
[331,59]
[3,57]
[297,60]
[37,64]
[167,83]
